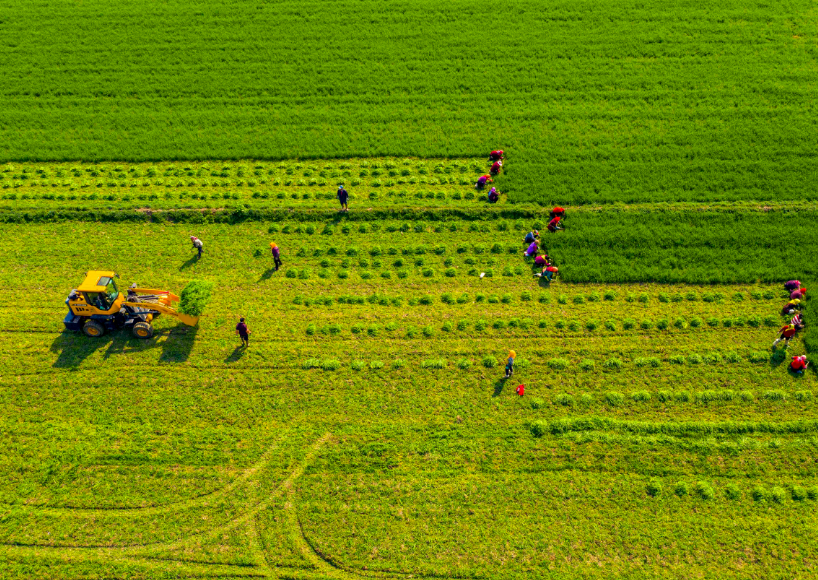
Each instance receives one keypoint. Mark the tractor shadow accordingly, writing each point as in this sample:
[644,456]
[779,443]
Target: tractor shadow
[74,348]
[179,344]
[236,355]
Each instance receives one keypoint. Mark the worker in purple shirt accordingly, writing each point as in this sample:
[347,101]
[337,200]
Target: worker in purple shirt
[276,255]
[243,332]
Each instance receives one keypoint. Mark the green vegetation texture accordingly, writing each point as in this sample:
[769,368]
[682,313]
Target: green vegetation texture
[366,431]
[595,102]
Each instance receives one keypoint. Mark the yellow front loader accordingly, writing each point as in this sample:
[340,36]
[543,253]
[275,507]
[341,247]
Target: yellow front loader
[97,307]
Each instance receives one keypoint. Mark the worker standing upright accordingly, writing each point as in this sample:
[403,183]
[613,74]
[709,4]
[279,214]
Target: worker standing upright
[197,243]
[243,332]
[276,255]
[510,363]
[343,196]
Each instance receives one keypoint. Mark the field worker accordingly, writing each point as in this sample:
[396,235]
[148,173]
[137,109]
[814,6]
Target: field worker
[791,307]
[800,294]
[520,390]
[343,196]
[785,334]
[532,249]
[276,255]
[510,363]
[493,195]
[797,322]
[541,261]
[243,332]
[550,271]
[554,224]
[482,181]
[496,155]
[531,236]
[792,285]
[197,243]
[799,364]
[496,167]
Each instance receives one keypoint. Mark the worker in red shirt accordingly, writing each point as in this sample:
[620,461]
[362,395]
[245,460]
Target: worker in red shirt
[799,364]
[496,167]
[557,212]
[785,334]
[554,224]
[496,155]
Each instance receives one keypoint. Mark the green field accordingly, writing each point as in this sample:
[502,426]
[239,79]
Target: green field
[367,430]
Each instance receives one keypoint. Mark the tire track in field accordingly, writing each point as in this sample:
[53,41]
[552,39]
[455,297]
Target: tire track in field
[330,566]
[179,506]
[139,550]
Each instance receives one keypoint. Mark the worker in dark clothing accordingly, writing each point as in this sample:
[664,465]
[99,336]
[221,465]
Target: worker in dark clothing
[243,332]
[792,285]
[493,195]
[532,236]
[496,167]
[554,224]
[496,155]
[343,196]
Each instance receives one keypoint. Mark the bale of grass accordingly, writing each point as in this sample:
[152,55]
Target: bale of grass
[195,297]
[759,493]
[681,489]
[654,487]
[704,490]
[489,362]
[613,363]
[537,403]
[798,493]
[778,494]
[732,492]
[558,364]
[614,399]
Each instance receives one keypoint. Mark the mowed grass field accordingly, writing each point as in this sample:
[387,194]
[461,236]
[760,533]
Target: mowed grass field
[367,428]
[367,431]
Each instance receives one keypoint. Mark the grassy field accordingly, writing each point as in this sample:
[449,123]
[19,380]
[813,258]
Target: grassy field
[367,431]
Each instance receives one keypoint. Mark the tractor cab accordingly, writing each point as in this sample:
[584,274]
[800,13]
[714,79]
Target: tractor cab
[97,295]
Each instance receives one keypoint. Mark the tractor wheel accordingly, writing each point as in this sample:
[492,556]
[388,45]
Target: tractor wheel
[142,330]
[93,329]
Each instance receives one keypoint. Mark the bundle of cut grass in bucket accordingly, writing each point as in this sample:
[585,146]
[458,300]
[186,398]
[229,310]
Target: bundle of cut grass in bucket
[194,297]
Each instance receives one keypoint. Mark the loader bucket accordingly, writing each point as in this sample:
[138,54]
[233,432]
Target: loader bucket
[187,319]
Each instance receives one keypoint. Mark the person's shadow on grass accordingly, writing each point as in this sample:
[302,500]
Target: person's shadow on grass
[189,263]
[498,387]
[268,274]
[778,358]
[236,355]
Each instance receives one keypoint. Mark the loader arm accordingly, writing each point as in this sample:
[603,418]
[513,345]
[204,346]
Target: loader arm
[165,309]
